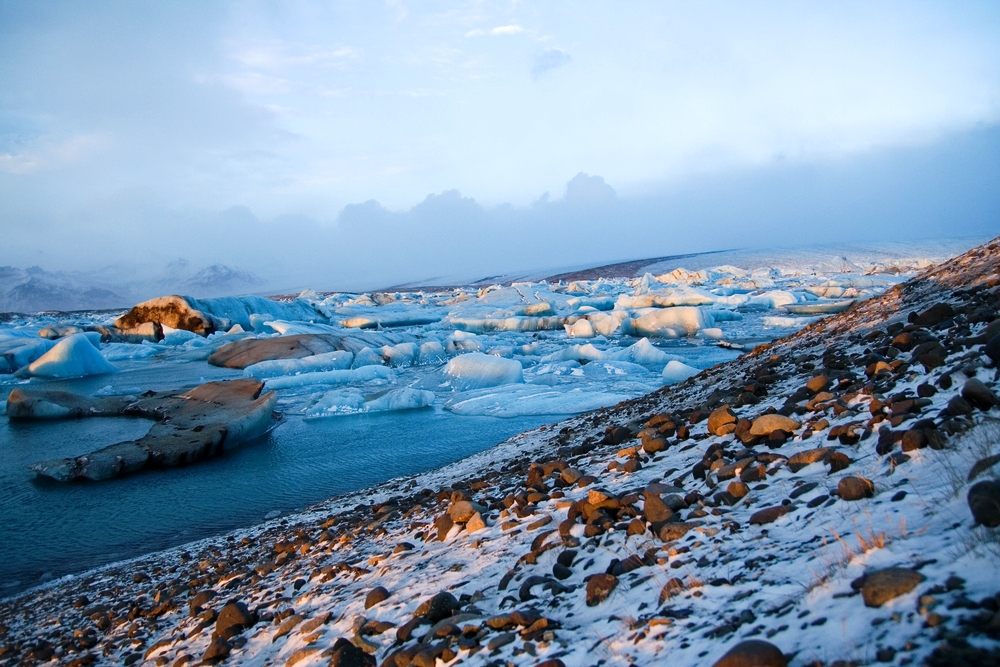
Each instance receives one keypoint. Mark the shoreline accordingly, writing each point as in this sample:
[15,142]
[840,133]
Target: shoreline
[510,514]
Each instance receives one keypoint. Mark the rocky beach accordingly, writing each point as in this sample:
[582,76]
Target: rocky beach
[826,499]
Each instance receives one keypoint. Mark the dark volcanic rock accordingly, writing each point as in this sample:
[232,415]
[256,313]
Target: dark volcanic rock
[984,502]
[979,395]
[753,653]
[439,607]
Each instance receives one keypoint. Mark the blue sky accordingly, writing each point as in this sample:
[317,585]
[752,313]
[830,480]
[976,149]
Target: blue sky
[119,120]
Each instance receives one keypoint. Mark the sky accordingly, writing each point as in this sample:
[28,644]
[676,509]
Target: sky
[358,144]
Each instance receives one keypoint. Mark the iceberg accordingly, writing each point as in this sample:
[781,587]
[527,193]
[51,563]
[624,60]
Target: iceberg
[477,370]
[73,356]
[367,357]
[580,329]
[401,354]
[363,374]
[348,402]
[675,372]
[669,322]
[327,361]
[642,352]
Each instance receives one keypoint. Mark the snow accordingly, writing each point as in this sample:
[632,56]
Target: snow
[476,370]
[514,401]
[73,356]
[675,372]
[328,361]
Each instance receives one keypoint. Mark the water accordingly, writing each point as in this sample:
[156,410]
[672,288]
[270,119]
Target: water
[51,529]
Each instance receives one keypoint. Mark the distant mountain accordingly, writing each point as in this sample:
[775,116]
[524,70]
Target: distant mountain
[34,289]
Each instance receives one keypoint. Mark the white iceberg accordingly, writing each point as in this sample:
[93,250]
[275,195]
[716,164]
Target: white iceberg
[347,402]
[73,356]
[364,374]
[476,370]
[669,322]
[327,361]
[676,371]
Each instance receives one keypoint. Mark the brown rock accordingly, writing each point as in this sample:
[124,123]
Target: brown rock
[345,654]
[753,653]
[768,515]
[737,489]
[654,509]
[233,619]
[884,585]
[855,488]
[599,587]
[984,503]
[979,395]
[767,424]
[173,311]
[721,417]
[674,531]
[217,650]
[818,384]
[375,596]
[462,511]
[475,524]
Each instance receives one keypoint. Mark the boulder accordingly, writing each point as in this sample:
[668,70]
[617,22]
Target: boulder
[375,595]
[992,349]
[719,421]
[984,502]
[767,424]
[973,391]
[197,424]
[752,653]
[174,311]
[249,351]
[855,488]
[233,619]
[934,315]
[345,654]
[217,650]
[768,515]
[800,460]
[439,607]
[463,511]
[599,587]
[879,587]
[654,509]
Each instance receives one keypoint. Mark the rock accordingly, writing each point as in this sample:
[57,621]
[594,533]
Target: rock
[768,515]
[176,312]
[884,585]
[752,653]
[979,395]
[249,351]
[720,420]
[599,587]
[443,524]
[765,425]
[439,607]
[934,315]
[461,511]
[818,384]
[475,524]
[199,601]
[376,595]
[982,465]
[217,650]
[737,489]
[839,461]
[800,460]
[233,619]
[984,502]
[654,509]
[191,426]
[345,654]
[992,349]
[855,488]
[674,531]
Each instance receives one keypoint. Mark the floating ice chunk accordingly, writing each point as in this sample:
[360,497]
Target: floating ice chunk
[669,322]
[642,352]
[602,369]
[772,299]
[485,325]
[173,336]
[431,352]
[788,322]
[363,374]
[236,329]
[462,341]
[601,302]
[476,370]
[723,315]
[327,361]
[606,324]
[345,402]
[19,352]
[121,351]
[294,328]
[576,353]
[530,399]
[400,318]
[675,372]
[73,356]
[367,357]
[580,329]
[712,332]
[402,354]
[666,298]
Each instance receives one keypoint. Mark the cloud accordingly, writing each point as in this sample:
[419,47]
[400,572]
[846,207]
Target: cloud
[549,59]
[478,32]
[587,189]
[512,29]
